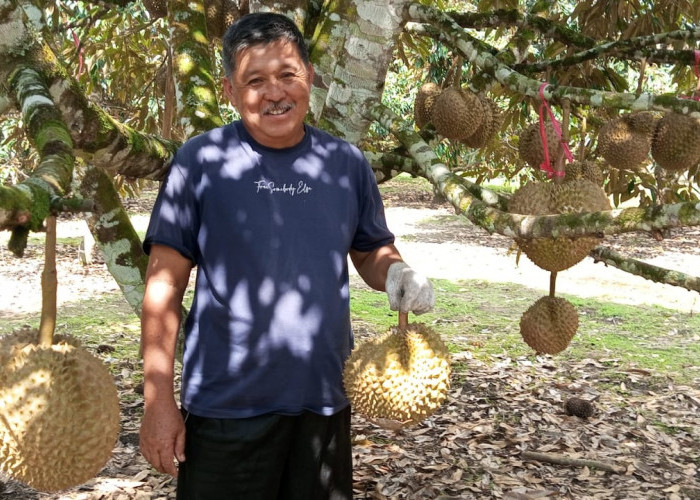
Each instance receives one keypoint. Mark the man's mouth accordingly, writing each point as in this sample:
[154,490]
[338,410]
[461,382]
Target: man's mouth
[277,109]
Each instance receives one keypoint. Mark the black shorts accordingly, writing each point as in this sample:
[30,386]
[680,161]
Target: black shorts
[269,457]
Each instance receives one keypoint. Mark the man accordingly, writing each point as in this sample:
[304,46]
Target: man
[268,209]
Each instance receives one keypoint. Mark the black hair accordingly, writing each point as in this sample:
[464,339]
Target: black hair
[260,28]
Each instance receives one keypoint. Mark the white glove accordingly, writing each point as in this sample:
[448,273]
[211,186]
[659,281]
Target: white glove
[408,290]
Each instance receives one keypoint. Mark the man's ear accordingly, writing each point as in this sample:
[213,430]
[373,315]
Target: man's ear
[310,71]
[229,91]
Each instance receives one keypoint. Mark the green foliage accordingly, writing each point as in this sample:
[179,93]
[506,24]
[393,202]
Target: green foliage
[17,158]
[118,54]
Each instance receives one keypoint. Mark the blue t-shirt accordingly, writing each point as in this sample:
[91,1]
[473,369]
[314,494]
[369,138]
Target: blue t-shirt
[269,231]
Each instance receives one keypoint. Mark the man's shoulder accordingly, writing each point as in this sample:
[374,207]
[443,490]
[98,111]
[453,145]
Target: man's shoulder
[217,135]
[327,139]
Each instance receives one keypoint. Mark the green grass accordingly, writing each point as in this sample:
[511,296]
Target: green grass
[484,318]
[105,320]
[477,316]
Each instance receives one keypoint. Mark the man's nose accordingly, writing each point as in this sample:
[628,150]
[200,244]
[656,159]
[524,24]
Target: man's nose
[274,89]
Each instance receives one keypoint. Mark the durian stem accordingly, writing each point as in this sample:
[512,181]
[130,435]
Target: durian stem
[582,144]
[49,285]
[559,165]
[640,82]
[552,283]
[403,320]
[454,74]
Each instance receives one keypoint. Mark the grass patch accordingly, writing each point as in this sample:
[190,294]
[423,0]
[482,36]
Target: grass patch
[476,316]
[104,323]
[484,318]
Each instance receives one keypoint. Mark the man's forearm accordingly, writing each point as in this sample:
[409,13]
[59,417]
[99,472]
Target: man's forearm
[160,322]
[372,266]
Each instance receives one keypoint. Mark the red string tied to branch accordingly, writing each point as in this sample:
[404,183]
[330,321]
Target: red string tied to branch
[81,50]
[545,165]
[696,69]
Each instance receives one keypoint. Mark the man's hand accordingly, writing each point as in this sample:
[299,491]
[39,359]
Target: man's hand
[408,290]
[162,436]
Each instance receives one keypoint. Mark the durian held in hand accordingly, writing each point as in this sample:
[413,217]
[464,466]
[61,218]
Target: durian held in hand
[399,378]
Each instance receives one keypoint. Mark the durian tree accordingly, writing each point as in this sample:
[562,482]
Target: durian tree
[97,96]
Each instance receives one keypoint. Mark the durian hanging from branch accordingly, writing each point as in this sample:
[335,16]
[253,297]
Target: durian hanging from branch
[59,408]
[457,113]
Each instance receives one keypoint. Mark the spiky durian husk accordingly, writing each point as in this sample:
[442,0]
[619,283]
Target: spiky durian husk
[549,325]
[423,104]
[456,113]
[491,122]
[60,412]
[676,144]
[401,376]
[625,142]
[546,198]
[579,407]
[531,149]
[587,170]
[641,122]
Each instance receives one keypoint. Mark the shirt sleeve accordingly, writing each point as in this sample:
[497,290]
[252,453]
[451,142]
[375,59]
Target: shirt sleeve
[372,230]
[175,220]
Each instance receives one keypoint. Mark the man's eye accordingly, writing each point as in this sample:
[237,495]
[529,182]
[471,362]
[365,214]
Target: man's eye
[255,81]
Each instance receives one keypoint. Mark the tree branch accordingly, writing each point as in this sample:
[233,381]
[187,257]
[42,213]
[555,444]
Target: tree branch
[513,18]
[465,45]
[120,244]
[28,203]
[197,105]
[388,165]
[645,270]
[633,47]
[608,222]
[489,210]
[459,191]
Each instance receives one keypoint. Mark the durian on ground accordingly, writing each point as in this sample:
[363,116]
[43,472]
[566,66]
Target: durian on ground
[401,376]
[59,412]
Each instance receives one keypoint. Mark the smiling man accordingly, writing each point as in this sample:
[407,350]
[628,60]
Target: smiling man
[268,209]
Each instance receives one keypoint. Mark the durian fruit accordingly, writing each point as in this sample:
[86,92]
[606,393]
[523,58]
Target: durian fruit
[676,144]
[641,122]
[491,122]
[579,407]
[531,149]
[585,169]
[549,325]
[402,376]
[625,142]
[59,412]
[457,113]
[546,198]
[423,104]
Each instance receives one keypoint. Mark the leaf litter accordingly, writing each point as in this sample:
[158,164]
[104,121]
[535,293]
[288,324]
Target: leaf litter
[502,433]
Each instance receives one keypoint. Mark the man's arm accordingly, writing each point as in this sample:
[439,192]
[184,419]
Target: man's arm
[384,270]
[373,266]
[162,436]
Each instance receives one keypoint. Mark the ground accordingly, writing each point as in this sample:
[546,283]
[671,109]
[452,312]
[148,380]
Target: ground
[643,441]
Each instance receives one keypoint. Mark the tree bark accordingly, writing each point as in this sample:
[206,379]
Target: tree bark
[115,235]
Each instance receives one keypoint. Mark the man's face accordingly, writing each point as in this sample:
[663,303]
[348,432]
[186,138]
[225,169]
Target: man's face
[270,88]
